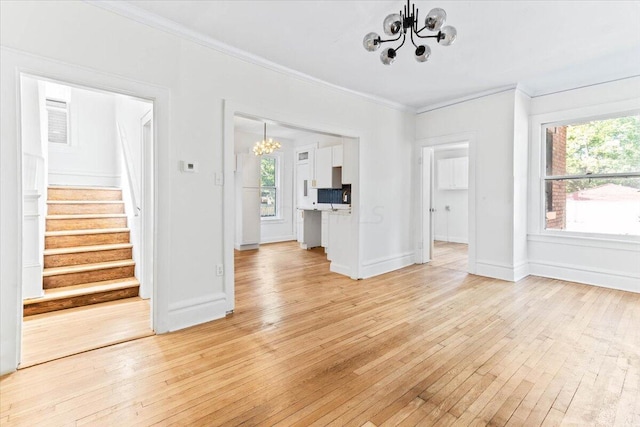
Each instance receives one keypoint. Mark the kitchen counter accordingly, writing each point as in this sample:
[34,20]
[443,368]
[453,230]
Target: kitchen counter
[326,207]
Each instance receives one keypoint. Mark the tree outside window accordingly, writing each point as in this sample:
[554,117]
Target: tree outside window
[268,187]
[592,180]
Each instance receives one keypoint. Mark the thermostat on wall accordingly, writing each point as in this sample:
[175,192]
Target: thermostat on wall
[188,166]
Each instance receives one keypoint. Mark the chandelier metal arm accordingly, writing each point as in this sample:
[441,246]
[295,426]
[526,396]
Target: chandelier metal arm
[380,41]
[404,37]
[412,41]
[436,36]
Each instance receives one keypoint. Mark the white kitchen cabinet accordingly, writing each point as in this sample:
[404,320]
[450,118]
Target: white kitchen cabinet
[309,228]
[324,232]
[247,188]
[453,174]
[336,156]
[248,225]
[349,160]
[340,243]
[306,193]
[326,175]
[249,168]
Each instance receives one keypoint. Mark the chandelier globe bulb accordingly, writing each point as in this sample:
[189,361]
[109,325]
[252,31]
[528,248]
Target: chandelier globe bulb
[435,19]
[370,42]
[447,35]
[423,52]
[392,24]
[388,56]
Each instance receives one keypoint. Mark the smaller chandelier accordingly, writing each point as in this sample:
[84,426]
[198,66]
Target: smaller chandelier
[398,24]
[266,146]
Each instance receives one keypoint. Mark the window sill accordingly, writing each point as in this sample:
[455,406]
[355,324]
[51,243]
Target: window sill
[275,220]
[604,241]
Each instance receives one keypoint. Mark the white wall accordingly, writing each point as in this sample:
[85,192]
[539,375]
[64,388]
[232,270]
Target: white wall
[609,261]
[93,156]
[489,121]
[452,225]
[192,81]
[128,113]
[283,228]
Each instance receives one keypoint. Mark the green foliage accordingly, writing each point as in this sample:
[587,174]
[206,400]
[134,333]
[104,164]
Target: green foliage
[267,172]
[603,146]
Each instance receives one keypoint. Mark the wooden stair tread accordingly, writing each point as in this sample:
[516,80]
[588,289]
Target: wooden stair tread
[81,187]
[86,216]
[83,289]
[55,271]
[85,231]
[93,248]
[83,202]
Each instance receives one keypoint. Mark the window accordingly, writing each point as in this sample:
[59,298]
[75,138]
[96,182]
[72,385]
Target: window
[57,121]
[592,176]
[268,187]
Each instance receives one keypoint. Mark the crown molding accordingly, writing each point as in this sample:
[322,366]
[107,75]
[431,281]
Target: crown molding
[466,98]
[144,17]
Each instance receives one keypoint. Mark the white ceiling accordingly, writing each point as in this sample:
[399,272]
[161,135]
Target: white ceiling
[544,46]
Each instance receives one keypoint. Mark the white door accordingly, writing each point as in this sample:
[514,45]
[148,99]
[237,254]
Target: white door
[427,204]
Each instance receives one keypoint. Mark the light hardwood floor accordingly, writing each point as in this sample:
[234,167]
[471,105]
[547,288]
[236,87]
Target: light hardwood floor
[450,255]
[57,334]
[423,345]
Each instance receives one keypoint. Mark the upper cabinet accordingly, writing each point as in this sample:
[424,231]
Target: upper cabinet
[349,155]
[327,176]
[336,156]
[453,174]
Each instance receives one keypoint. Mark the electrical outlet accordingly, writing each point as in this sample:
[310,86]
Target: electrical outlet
[219,270]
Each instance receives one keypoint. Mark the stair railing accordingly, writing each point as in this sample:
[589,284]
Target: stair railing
[131,176]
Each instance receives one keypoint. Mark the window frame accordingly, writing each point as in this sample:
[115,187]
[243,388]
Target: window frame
[67,109]
[277,172]
[539,125]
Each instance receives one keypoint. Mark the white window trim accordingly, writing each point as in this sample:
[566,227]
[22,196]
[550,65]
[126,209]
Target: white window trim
[537,169]
[279,217]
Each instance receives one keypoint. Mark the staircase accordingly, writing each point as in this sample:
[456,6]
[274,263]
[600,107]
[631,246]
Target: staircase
[88,254]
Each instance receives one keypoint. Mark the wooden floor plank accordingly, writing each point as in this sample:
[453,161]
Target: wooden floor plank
[57,334]
[425,345]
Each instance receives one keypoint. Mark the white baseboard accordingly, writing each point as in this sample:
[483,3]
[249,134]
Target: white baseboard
[496,270]
[196,311]
[588,276]
[386,264]
[520,271]
[248,247]
[32,281]
[340,269]
[452,239]
[94,179]
[278,239]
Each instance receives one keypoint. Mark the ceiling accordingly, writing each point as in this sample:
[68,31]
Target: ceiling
[543,46]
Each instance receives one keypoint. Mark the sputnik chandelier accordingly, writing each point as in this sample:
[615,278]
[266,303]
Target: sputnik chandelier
[398,24]
[266,146]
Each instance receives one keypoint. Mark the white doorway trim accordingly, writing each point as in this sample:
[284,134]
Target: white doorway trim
[21,63]
[425,148]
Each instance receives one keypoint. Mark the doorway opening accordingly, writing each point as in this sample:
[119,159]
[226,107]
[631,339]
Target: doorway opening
[446,199]
[281,198]
[87,218]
